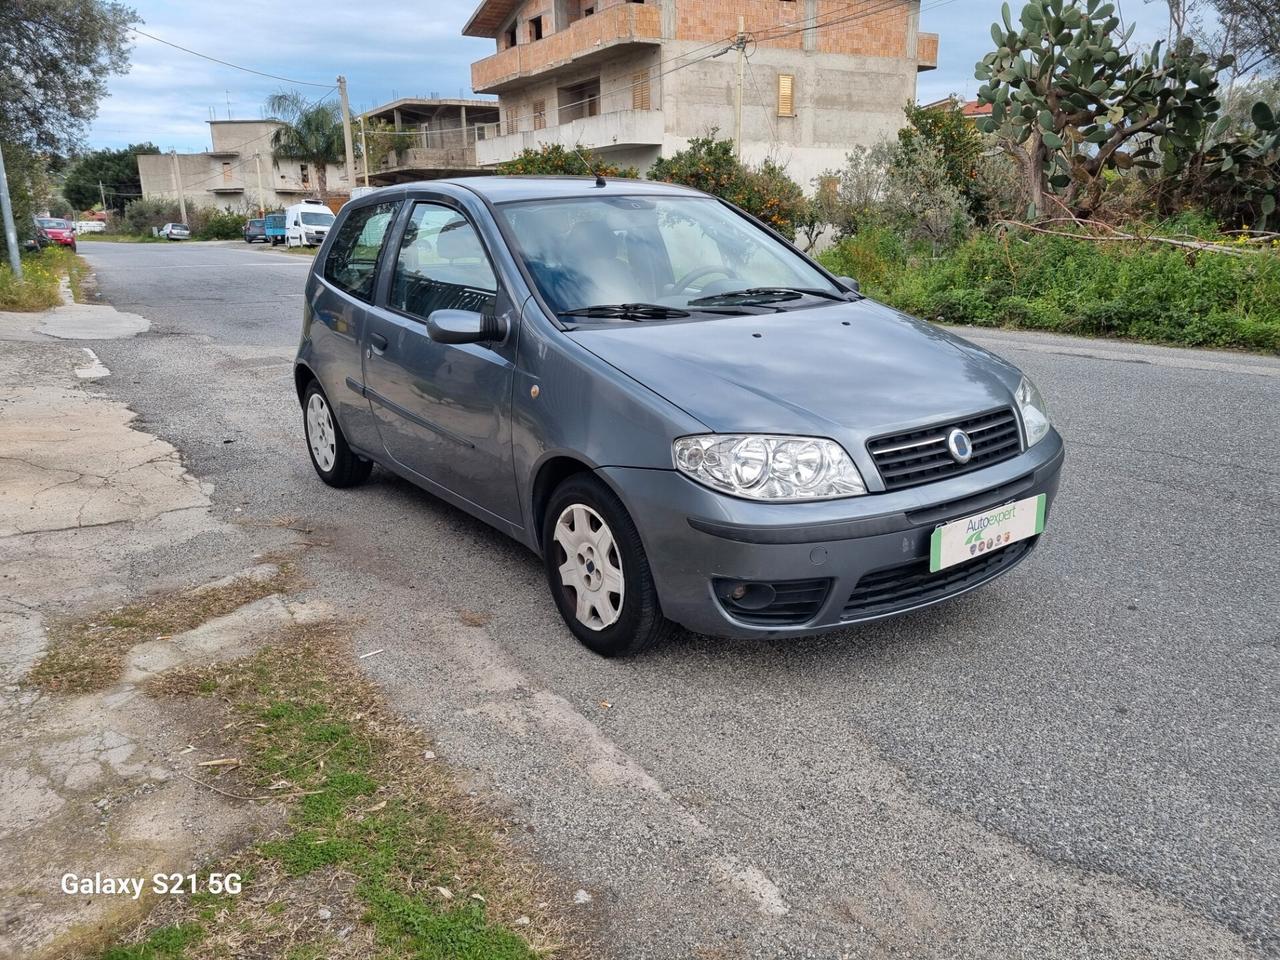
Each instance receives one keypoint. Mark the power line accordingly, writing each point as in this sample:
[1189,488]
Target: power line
[225,63]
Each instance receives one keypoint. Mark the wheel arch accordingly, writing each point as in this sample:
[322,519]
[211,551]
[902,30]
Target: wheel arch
[302,377]
[554,471]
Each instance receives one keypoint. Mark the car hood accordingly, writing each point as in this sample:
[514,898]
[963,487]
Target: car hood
[848,371]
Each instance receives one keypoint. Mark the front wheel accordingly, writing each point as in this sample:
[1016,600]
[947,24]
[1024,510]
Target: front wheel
[330,455]
[598,572]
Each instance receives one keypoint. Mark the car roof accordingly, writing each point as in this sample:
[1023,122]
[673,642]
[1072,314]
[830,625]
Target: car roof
[511,189]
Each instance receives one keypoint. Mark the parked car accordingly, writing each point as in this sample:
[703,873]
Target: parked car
[54,230]
[307,223]
[174,231]
[255,230]
[686,418]
[274,228]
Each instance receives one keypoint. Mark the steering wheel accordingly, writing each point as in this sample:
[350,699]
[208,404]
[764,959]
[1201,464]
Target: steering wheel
[682,284]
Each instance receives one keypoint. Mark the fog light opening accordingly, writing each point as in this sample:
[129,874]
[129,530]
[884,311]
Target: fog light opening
[751,596]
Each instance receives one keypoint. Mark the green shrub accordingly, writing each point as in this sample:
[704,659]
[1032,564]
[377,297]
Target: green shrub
[1070,285]
[219,225]
[553,158]
[764,191]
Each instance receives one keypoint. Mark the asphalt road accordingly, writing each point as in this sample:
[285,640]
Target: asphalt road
[1078,761]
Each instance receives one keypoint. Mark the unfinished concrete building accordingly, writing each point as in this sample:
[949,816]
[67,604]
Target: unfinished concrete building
[634,79]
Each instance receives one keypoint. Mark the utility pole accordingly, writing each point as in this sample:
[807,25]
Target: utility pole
[103,194]
[262,197]
[10,231]
[737,100]
[364,150]
[346,132]
[177,180]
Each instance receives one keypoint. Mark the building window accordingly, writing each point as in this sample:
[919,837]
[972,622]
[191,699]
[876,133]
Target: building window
[580,100]
[509,38]
[304,174]
[513,122]
[786,95]
[226,172]
[539,114]
[640,99]
[535,28]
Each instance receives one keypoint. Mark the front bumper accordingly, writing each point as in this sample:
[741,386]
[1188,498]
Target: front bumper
[695,537]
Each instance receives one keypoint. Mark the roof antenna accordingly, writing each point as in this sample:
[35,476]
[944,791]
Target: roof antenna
[600,181]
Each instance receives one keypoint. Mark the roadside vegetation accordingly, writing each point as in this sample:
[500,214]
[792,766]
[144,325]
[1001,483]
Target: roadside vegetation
[381,854]
[42,275]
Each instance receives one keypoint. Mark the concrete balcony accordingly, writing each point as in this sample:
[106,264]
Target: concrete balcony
[927,52]
[623,128]
[449,156]
[582,42]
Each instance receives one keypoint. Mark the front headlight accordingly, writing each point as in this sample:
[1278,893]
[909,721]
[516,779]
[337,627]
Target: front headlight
[769,468]
[1035,415]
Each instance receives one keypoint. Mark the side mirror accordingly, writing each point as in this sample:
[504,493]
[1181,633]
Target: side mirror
[850,284]
[463,326]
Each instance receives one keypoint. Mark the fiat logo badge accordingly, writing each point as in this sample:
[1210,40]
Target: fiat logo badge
[960,446]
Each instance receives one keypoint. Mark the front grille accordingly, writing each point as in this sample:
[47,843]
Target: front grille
[910,585]
[794,602]
[910,459]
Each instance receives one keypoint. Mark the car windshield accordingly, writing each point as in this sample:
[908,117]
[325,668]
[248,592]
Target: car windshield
[317,219]
[48,223]
[657,252]
[255,224]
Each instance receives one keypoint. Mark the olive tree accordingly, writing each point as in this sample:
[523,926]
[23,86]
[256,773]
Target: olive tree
[1070,101]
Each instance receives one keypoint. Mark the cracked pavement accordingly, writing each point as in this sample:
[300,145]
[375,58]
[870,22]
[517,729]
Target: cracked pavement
[1077,761]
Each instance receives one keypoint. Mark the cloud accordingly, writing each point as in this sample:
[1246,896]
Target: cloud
[168,95]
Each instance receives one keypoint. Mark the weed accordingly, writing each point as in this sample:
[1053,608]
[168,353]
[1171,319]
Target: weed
[86,655]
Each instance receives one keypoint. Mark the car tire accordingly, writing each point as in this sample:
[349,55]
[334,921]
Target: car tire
[335,464]
[591,543]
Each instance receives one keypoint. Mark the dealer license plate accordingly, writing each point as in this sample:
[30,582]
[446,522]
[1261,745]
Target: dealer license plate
[974,536]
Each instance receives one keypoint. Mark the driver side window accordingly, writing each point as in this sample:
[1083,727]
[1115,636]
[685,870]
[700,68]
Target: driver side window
[441,265]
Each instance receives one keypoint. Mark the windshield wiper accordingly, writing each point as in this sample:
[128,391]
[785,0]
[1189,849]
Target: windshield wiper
[765,295]
[627,311]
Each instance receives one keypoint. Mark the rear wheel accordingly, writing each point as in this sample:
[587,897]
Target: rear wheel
[598,572]
[330,455]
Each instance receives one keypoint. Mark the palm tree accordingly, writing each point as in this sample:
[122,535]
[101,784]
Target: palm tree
[310,133]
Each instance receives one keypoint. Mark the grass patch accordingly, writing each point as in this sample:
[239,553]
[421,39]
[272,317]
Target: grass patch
[41,276]
[404,865]
[1149,292]
[86,655]
[166,943]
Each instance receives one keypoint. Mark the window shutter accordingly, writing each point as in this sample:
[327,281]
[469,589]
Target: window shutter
[640,99]
[539,114]
[786,95]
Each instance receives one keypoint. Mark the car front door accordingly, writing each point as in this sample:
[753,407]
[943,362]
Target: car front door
[443,410]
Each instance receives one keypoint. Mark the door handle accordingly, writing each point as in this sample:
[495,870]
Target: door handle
[377,342]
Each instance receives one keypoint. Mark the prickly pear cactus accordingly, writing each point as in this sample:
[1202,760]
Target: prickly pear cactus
[1069,102]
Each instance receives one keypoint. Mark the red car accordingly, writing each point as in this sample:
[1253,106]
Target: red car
[54,230]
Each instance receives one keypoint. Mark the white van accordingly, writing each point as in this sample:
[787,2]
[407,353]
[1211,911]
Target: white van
[306,223]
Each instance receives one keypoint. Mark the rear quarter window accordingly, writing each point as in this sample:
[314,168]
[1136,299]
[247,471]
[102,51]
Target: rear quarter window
[352,263]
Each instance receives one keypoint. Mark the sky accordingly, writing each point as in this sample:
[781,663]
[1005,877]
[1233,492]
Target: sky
[404,49]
